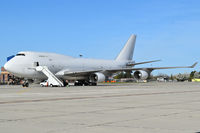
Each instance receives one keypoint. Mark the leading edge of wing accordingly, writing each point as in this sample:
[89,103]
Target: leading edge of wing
[152,68]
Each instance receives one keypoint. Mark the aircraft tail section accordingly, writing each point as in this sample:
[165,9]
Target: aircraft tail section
[128,50]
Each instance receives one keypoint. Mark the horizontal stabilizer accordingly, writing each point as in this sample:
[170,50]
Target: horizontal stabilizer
[194,64]
[139,63]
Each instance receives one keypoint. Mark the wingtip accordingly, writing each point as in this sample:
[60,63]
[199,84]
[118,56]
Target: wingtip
[156,60]
[194,64]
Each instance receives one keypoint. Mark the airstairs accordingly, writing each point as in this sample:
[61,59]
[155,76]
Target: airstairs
[52,79]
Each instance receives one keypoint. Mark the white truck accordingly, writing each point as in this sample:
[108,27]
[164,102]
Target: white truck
[47,83]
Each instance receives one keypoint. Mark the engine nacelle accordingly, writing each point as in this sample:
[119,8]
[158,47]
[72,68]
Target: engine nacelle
[97,77]
[141,75]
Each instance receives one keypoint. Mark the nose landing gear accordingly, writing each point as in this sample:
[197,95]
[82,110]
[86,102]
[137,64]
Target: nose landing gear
[25,83]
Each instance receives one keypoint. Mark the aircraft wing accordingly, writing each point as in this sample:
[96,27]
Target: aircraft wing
[88,72]
[150,68]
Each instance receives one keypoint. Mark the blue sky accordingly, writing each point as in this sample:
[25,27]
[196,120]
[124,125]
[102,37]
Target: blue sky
[167,30]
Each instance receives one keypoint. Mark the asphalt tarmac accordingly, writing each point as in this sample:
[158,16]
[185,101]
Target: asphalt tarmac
[107,108]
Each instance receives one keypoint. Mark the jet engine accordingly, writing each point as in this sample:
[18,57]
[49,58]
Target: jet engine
[97,77]
[141,75]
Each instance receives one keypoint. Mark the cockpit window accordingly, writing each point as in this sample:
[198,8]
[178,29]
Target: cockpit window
[20,54]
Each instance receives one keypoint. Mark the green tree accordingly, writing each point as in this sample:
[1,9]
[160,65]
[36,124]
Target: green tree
[192,75]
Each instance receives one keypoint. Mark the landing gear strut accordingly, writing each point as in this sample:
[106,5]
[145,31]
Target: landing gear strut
[25,83]
[65,83]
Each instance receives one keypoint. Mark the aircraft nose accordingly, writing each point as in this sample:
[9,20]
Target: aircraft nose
[8,66]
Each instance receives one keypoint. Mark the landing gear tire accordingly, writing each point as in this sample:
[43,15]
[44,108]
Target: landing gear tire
[93,84]
[84,83]
[78,83]
[51,85]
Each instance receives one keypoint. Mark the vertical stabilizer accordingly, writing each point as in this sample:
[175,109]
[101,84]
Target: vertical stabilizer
[127,52]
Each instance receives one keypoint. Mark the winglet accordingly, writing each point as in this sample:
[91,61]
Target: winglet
[194,65]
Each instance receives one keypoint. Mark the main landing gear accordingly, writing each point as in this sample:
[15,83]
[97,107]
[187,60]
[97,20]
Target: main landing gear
[84,83]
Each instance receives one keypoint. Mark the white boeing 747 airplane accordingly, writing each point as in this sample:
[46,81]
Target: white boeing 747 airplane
[59,68]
